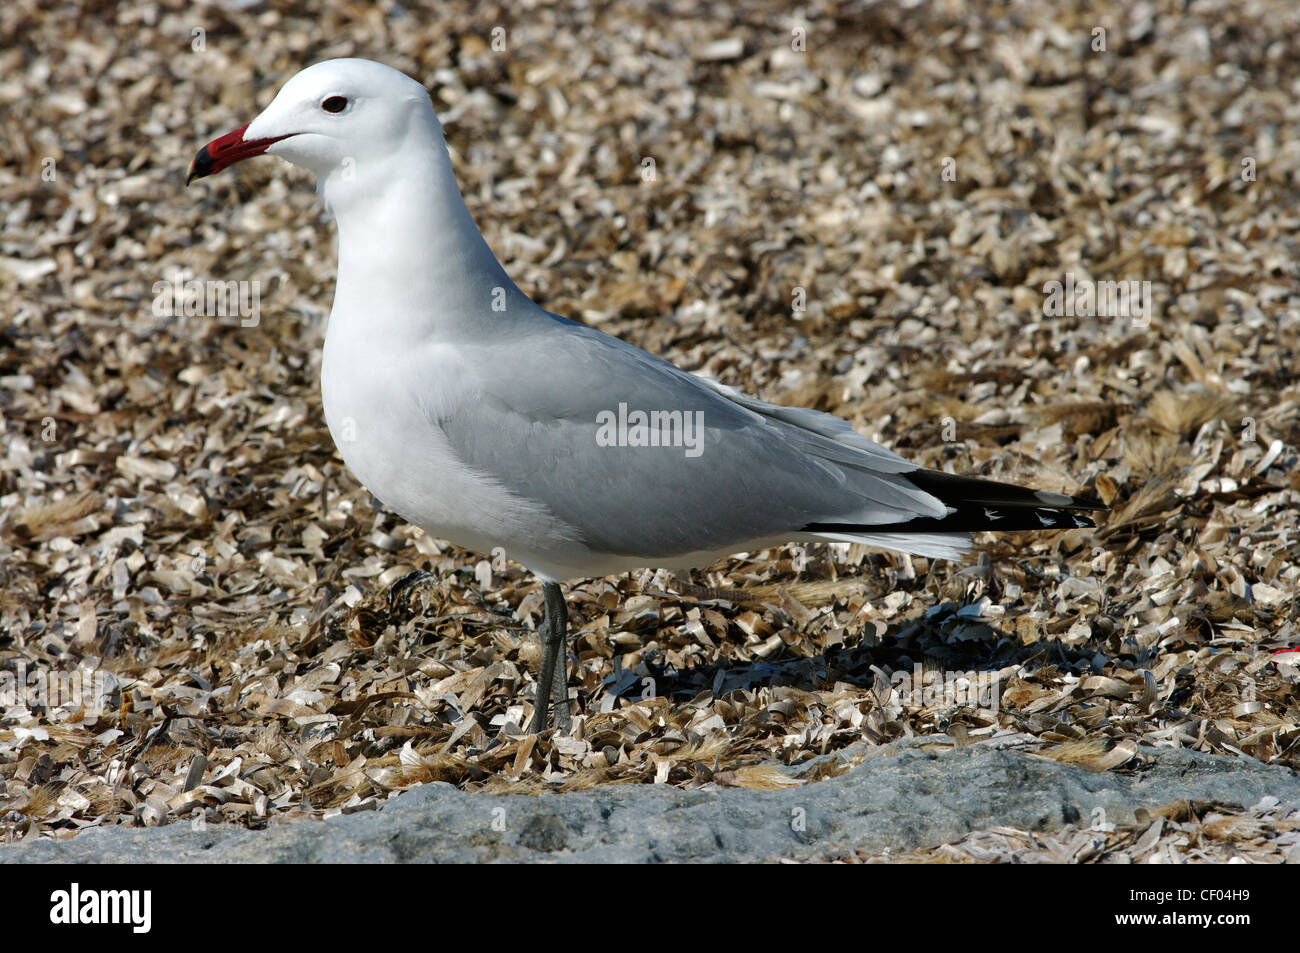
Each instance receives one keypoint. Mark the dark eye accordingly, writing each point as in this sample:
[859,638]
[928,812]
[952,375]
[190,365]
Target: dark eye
[335,104]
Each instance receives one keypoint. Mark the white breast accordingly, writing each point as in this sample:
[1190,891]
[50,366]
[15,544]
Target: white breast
[381,405]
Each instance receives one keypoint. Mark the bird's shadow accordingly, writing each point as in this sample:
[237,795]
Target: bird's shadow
[945,641]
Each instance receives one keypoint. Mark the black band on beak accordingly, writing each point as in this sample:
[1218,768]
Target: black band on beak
[225,151]
[200,166]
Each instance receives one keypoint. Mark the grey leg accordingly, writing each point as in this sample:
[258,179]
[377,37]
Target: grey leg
[560,672]
[553,680]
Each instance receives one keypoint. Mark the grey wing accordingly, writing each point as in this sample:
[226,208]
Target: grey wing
[753,471]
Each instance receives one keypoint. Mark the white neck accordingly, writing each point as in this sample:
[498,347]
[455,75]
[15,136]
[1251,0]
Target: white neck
[412,263]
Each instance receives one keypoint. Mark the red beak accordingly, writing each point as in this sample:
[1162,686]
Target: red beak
[226,151]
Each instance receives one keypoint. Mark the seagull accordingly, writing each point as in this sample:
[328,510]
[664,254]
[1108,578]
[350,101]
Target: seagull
[487,421]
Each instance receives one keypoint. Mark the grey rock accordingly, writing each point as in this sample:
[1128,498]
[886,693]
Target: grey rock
[910,800]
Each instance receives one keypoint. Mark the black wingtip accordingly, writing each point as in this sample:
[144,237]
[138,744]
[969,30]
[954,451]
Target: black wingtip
[969,519]
[981,505]
[953,490]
